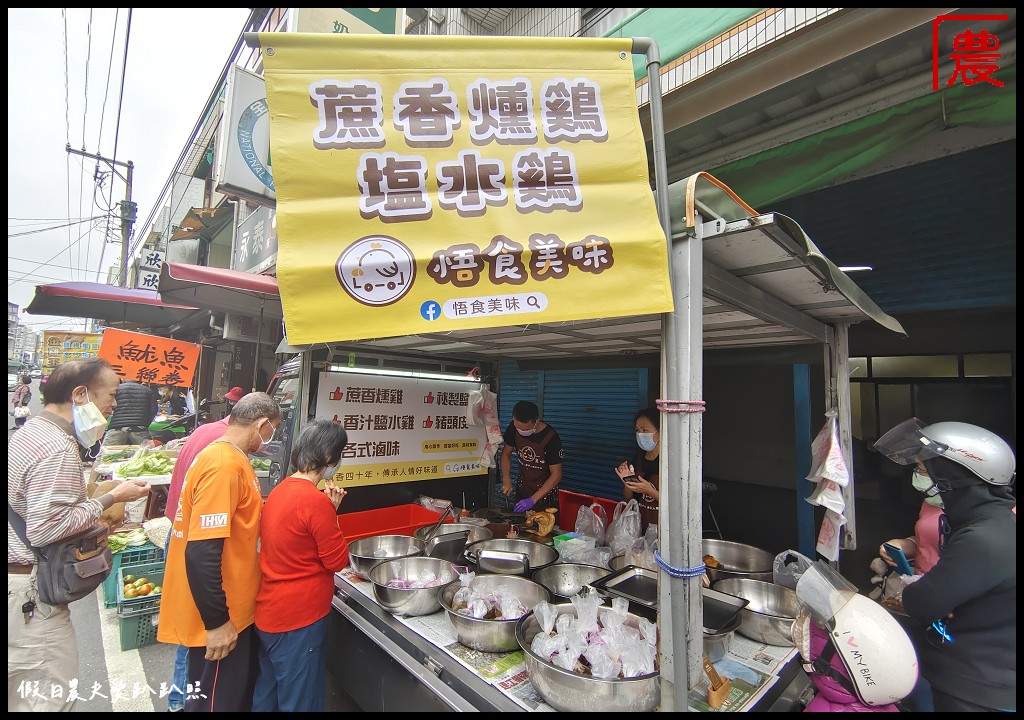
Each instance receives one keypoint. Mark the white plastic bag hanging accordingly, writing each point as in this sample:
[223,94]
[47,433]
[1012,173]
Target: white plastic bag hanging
[828,495]
[827,461]
[829,536]
[482,409]
[625,528]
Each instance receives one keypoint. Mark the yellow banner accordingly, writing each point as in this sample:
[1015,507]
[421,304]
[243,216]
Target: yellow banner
[431,184]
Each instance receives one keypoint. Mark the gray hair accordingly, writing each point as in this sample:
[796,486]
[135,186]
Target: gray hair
[253,407]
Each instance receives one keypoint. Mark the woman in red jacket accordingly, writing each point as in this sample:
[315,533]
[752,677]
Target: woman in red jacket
[301,548]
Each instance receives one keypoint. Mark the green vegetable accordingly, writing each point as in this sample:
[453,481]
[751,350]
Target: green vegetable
[260,463]
[149,464]
[121,541]
[117,456]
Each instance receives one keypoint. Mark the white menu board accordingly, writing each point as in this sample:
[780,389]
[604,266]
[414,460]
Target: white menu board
[401,429]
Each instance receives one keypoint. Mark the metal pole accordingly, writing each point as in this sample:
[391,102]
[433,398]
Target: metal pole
[127,208]
[679,525]
[259,339]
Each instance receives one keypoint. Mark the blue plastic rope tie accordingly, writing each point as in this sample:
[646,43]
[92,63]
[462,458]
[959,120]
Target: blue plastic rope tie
[675,572]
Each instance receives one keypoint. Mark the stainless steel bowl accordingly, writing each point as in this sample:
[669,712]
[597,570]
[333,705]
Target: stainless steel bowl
[538,555]
[364,553]
[563,580]
[769,616]
[491,635]
[410,601]
[476,532]
[738,560]
[572,692]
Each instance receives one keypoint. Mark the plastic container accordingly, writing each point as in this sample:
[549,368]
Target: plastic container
[569,504]
[138,629]
[397,520]
[154,572]
[135,511]
[147,553]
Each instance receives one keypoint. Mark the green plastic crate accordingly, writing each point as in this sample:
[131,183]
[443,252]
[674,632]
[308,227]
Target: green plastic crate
[154,572]
[138,629]
[129,556]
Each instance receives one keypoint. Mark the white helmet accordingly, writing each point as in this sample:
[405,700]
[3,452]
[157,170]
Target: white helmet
[982,452]
[876,655]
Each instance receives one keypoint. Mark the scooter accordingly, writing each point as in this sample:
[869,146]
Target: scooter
[179,427]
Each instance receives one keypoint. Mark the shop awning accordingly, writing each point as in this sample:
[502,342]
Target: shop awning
[108,303]
[203,222]
[220,290]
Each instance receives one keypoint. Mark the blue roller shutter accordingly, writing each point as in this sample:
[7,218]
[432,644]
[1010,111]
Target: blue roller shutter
[592,410]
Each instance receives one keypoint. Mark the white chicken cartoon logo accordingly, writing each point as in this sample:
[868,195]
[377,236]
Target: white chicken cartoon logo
[376,270]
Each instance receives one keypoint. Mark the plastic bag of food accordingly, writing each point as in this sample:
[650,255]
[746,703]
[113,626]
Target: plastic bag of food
[547,646]
[601,666]
[587,605]
[546,615]
[599,556]
[511,607]
[641,555]
[592,522]
[789,565]
[637,659]
[625,528]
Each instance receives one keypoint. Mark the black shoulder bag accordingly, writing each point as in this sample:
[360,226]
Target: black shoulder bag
[70,568]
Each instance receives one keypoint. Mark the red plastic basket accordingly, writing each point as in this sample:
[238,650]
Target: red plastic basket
[570,503]
[397,520]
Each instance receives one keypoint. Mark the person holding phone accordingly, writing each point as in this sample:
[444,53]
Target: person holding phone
[966,604]
[640,477]
[922,549]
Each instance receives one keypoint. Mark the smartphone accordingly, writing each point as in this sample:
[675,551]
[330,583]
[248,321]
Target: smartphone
[630,478]
[902,564]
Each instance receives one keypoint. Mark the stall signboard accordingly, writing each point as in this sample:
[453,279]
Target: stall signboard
[256,242]
[148,358]
[59,346]
[437,184]
[401,429]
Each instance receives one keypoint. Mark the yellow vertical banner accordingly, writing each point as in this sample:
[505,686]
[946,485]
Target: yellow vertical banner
[434,184]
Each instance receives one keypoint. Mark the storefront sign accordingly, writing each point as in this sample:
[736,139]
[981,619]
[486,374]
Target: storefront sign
[148,358]
[256,242]
[401,429]
[436,184]
[243,140]
[373,21]
[59,346]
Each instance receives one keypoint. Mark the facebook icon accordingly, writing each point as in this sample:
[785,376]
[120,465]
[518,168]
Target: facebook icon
[430,310]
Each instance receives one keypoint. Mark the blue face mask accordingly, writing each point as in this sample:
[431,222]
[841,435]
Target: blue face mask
[646,441]
[329,472]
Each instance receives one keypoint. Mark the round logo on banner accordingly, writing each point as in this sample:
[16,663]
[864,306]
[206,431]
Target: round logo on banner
[253,134]
[376,270]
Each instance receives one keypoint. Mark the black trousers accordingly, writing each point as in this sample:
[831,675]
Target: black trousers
[223,685]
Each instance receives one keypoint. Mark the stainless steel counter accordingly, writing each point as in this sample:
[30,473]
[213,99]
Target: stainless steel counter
[384,666]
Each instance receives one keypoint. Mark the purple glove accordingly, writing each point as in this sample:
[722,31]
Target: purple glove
[524,505]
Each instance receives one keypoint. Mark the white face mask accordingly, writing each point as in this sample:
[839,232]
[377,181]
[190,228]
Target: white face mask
[264,443]
[526,433]
[89,423]
[922,483]
[646,441]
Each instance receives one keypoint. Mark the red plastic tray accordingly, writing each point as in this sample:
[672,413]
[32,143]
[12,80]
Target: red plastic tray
[396,520]
[570,503]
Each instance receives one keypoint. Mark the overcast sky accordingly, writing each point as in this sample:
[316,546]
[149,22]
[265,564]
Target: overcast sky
[61,65]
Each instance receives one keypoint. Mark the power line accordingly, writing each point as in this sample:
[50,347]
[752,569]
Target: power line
[56,227]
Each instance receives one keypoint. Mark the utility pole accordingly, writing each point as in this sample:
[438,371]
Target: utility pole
[128,208]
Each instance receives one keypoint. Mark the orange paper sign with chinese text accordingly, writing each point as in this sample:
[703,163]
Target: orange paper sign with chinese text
[148,358]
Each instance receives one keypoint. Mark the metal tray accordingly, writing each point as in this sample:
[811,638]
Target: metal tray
[720,609]
[633,583]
